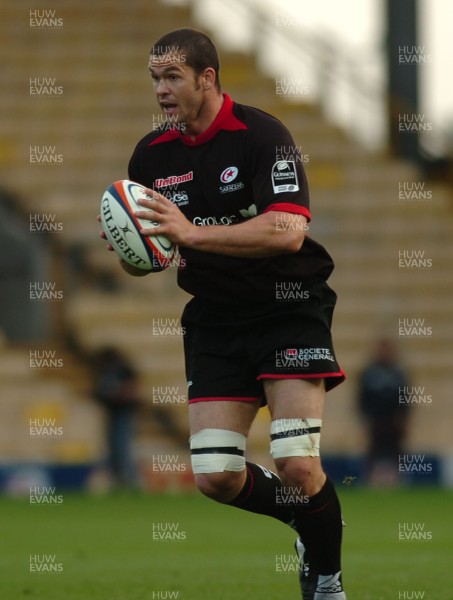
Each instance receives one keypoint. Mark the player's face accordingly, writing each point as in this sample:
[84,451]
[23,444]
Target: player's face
[178,89]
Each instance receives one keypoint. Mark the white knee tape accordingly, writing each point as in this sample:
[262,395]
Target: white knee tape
[295,437]
[217,450]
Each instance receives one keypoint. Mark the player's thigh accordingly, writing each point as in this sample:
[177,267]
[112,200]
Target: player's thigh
[295,398]
[230,415]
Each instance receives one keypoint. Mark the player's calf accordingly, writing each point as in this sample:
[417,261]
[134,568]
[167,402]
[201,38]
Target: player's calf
[317,513]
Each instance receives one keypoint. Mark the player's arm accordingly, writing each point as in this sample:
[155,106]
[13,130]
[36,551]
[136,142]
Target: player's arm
[267,234]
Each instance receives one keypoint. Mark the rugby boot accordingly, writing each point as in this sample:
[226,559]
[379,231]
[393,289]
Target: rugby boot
[317,587]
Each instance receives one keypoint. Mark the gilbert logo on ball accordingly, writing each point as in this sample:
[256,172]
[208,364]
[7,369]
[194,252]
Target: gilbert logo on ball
[122,228]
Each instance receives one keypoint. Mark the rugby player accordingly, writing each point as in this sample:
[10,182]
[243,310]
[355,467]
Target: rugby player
[226,184]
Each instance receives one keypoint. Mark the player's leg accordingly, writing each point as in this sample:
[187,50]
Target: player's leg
[224,397]
[296,407]
[219,431]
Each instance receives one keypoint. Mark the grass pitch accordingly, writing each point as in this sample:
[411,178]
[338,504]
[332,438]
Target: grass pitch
[146,547]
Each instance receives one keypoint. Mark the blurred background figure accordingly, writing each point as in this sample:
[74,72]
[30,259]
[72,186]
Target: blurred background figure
[379,388]
[115,388]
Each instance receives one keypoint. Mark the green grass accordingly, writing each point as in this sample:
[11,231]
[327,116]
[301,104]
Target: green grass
[106,547]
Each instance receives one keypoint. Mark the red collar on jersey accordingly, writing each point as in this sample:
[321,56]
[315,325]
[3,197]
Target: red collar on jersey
[225,119]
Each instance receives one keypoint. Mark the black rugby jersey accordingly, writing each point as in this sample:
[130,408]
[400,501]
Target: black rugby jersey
[243,165]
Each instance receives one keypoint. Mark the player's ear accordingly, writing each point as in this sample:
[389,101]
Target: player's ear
[208,78]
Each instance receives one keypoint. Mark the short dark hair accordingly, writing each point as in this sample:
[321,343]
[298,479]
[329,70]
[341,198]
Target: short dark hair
[198,49]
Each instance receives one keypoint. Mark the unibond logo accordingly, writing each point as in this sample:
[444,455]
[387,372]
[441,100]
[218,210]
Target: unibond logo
[173,179]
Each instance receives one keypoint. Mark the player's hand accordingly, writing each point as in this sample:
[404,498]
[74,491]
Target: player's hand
[104,237]
[172,223]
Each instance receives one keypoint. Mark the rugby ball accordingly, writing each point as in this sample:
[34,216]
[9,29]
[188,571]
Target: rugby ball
[122,228]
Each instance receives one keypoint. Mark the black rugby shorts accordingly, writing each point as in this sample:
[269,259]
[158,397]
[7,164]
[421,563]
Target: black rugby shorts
[229,350]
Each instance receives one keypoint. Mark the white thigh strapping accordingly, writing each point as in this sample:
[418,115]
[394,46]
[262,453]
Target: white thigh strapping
[295,437]
[217,450]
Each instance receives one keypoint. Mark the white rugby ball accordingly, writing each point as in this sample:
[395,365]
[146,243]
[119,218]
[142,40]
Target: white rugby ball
[122,228]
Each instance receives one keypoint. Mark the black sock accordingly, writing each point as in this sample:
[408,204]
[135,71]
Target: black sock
[262,494]
[320,526]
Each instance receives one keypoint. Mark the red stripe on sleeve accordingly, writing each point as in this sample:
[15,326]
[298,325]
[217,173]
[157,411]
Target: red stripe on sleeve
[288,207]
